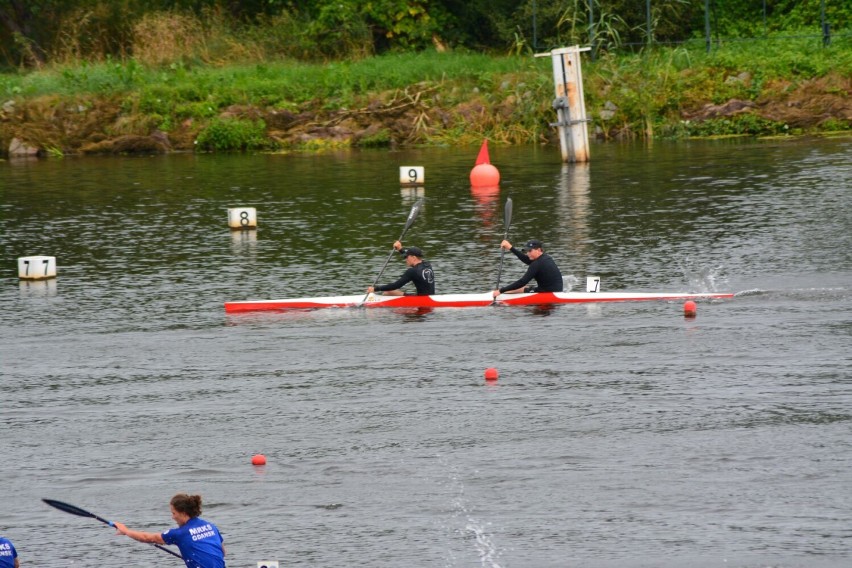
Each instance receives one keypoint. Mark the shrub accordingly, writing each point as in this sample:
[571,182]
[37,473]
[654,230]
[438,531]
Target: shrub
[229,134]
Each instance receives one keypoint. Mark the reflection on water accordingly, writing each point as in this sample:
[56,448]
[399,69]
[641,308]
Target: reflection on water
[38,288]
[574,204]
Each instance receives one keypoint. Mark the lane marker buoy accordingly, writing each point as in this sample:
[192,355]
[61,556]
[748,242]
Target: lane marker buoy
[240,218]
[36,267]
[483,173]
[412,175]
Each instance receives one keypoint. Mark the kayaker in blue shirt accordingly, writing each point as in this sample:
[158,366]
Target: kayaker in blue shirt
[540,267]
[8,554]
[419,271]
[199,541]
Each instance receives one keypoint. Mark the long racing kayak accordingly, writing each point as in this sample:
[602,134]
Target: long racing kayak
[459,300]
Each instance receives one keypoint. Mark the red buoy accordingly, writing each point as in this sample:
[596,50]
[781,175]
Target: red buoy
[689,309]
[491,374]
[258,459]
[483,173]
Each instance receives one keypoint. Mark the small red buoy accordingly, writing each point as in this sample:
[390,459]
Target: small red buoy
[491,374]
[258,459]
[483,173]
[689,309]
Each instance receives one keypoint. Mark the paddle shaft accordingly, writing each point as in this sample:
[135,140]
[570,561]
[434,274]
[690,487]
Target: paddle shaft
[507,220]
[415,209]
[71,509]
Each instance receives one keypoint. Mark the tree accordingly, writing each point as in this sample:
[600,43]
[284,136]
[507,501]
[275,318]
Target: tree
[19,18]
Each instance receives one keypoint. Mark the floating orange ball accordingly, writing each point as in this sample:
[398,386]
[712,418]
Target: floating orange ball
[258,459]
[689,309]
[491,374]
[484,175]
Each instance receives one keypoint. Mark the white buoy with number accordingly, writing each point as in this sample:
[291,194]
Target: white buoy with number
[593,284]
[36,267]
[242,218]
[412,175]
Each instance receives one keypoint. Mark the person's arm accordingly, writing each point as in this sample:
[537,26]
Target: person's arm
[521,256]
[152,538]
[17,563]
[523,281]
[403,280]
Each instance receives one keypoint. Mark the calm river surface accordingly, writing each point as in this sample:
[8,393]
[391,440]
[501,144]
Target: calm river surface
[618,435]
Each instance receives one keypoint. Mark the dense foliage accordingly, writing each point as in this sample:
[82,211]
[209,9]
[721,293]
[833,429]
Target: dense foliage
[35,32]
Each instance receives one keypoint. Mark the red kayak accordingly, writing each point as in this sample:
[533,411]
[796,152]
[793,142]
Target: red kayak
[459,300]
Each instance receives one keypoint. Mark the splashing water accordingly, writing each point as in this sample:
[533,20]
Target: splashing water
[488,553]
[568,282]
[469,526]
[703,279]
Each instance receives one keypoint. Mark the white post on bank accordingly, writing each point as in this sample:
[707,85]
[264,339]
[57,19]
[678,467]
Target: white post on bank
[569,103]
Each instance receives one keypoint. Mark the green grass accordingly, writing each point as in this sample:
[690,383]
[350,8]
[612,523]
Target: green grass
[294,81]
[650,89]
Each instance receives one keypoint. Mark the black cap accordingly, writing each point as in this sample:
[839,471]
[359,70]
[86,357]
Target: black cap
[412,251]
[533,244]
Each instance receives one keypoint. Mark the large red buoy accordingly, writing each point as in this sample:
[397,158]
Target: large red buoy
[689,309]
[483,173]
[258,459]
[491,374]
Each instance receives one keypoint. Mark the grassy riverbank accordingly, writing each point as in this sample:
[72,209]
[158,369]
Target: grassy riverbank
[758,88]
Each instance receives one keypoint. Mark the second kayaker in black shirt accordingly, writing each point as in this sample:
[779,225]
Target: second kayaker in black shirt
[540,267]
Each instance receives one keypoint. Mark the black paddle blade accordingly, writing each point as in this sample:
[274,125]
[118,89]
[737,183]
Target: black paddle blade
[415,209]
[68,508]
[74,510]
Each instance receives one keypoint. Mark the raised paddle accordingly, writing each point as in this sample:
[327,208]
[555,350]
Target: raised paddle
[507,220]
[415,209]
[83,513]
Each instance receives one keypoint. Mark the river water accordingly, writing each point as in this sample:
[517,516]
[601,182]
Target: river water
[617,435]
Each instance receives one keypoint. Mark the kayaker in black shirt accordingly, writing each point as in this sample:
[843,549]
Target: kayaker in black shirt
[419,271]
[541,268]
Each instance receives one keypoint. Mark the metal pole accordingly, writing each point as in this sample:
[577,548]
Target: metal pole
[826,33]
[535,28]
[592,27]
[648,18]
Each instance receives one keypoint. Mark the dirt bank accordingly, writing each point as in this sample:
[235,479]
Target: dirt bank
[99,125]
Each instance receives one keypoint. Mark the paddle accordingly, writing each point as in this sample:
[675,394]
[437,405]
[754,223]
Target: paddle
[507,220]
[83,513]
[415,209]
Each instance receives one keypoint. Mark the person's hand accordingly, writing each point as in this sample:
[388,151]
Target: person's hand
[370,289]
[506,244]
[495,293]
[120,528]
[397,245]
